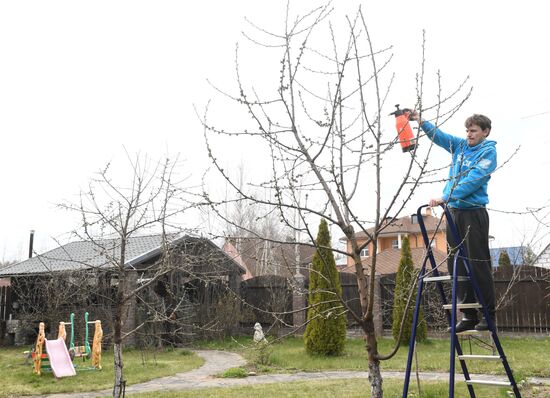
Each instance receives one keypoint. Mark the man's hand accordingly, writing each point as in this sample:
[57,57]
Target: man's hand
[436,202]
[415,116]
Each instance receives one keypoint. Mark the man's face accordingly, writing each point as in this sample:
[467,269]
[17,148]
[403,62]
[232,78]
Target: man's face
[474,134]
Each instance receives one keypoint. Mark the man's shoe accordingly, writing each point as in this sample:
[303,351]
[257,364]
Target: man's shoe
[463,325]
[482,325]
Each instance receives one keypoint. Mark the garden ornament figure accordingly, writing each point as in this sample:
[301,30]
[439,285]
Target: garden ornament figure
[259,334]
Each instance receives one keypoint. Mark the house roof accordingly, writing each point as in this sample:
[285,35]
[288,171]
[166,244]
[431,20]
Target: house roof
[261,257]
[387,262]
[408,225]
[232,252]
[82,255]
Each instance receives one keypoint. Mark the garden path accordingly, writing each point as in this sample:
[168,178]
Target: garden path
[217,362]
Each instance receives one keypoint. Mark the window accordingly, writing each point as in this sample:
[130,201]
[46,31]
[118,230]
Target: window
[395,244]
[365,252]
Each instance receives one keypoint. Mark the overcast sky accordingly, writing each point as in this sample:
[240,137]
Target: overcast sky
[81,83]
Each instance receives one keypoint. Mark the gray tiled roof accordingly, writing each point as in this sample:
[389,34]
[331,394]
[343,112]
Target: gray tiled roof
[87,254]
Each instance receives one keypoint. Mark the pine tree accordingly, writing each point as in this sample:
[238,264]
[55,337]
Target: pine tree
[528,255]
[504,259]
[326,329]
[406,276]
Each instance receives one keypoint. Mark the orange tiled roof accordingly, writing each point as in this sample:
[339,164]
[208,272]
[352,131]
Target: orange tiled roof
[387,262]
[407,226]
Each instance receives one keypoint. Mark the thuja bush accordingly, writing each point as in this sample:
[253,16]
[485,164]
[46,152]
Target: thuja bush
[404,283]
[326,328]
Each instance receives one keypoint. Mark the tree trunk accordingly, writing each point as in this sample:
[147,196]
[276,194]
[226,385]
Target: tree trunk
[120,383]
[371,344]
[375,380]
[375,376]
[119,387]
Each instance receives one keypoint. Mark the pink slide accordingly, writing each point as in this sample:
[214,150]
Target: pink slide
[60,360]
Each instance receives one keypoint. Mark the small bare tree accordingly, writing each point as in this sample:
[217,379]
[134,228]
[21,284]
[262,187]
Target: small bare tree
[112,212]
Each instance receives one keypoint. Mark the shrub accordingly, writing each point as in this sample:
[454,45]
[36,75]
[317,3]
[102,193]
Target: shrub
[326,329]
[405,280]
[235,373]
[504,259]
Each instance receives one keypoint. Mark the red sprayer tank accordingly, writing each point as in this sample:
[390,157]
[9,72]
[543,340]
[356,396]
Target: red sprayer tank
[404,130]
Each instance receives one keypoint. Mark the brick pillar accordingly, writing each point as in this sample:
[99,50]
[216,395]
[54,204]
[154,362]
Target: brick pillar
[299,303]
[15,332]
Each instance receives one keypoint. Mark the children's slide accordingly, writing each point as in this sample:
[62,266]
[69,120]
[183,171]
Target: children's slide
[60,360]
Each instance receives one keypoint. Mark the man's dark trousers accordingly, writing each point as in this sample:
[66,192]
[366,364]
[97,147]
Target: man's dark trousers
[473,227]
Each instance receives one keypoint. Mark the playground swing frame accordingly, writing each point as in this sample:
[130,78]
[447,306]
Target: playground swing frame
[85,351]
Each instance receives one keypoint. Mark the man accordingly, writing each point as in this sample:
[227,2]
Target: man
[473,161]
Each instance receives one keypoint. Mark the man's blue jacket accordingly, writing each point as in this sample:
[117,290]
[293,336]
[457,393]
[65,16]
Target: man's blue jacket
[470,170]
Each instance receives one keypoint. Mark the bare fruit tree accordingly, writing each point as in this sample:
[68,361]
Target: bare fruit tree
[113,210]
[322,121]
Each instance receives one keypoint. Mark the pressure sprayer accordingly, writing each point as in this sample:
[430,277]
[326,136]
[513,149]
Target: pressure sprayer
[404,130]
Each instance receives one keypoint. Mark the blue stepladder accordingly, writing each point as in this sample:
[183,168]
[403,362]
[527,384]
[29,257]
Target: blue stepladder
[433,275]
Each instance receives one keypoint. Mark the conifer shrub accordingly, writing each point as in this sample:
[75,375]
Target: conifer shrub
[405,279]
[504,259]
[325,332]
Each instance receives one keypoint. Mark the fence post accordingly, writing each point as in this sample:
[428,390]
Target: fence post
[378,319]
[299,303]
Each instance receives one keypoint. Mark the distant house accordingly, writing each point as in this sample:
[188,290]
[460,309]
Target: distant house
[389,244]
[543,259]
[260,257]
[183,275]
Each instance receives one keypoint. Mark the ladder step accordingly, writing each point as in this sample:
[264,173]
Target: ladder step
[490,383]
[482,357]
[445,278]
[473,332]
[462,305]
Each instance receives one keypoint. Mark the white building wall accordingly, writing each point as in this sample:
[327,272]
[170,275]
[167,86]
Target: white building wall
[543,260]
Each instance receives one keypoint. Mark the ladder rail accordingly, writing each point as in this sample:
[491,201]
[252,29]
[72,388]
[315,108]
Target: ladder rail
[455,344]
[429,253]
[428,257]
[412,340]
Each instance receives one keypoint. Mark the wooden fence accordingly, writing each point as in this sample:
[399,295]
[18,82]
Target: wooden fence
[522,296]
[266,299]
[350,296]
[523,299]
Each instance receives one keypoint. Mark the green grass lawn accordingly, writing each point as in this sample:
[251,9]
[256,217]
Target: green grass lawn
[18,379]
[352,388]
[527,356]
